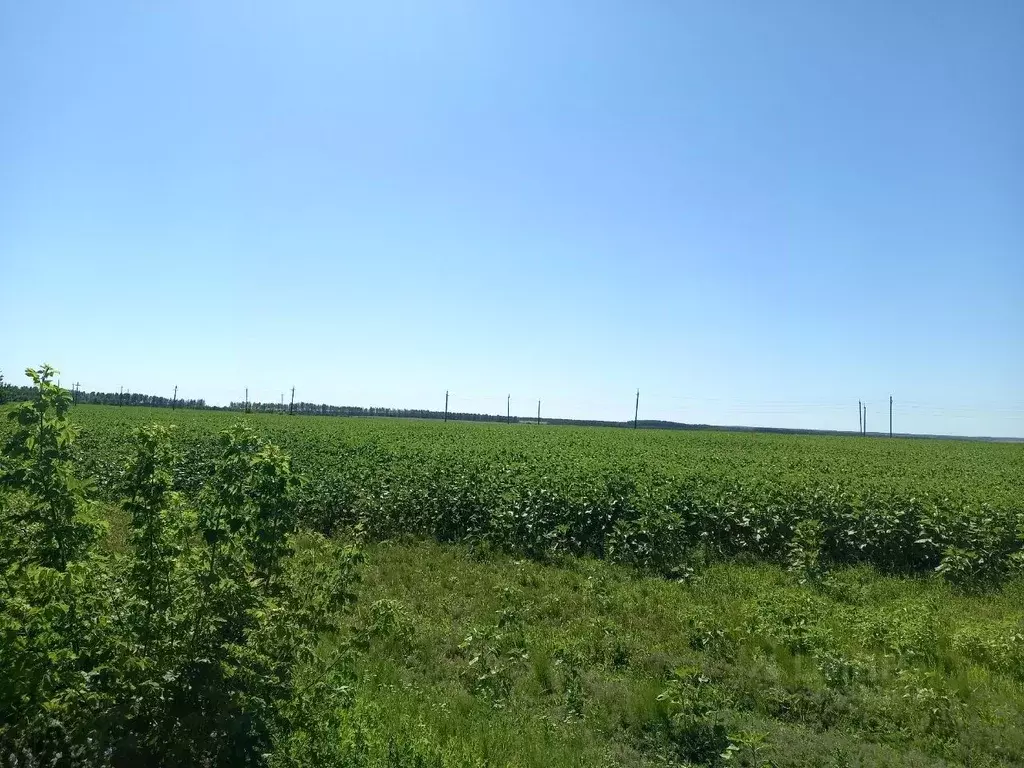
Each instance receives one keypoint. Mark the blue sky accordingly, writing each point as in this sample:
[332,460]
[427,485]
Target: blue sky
[757,213]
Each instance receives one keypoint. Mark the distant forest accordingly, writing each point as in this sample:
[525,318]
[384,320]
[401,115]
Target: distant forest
[11,393]
[323,409]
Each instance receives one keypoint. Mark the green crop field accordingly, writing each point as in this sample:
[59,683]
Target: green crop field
[552,596]
[644,497]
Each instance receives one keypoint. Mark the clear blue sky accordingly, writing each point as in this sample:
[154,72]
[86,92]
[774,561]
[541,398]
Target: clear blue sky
[757,213]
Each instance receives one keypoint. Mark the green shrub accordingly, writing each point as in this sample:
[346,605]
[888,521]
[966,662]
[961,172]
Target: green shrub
[200,644]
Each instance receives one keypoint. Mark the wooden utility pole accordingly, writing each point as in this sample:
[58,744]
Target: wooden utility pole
[291,407]
[446,406]
[174,399]
[890,415]
[508,409]
[636,413]
[538,412]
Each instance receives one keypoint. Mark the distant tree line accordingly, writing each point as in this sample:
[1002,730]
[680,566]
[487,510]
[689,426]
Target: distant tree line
[324,409]
[10,393]
[137,398]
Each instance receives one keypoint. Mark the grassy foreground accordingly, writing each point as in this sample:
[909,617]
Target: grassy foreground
[488,660]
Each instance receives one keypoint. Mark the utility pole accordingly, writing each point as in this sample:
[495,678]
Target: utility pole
[291,407]
[865,427]
[174,399]
[860,417]
[890,415]
[246,399]
[636,413]
[120,397]
[446,406]
[75,394]
[538,412]
[282,402]
[508,409]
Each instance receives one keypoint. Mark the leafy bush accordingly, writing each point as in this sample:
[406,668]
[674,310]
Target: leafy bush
[193,646]
[52,524]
